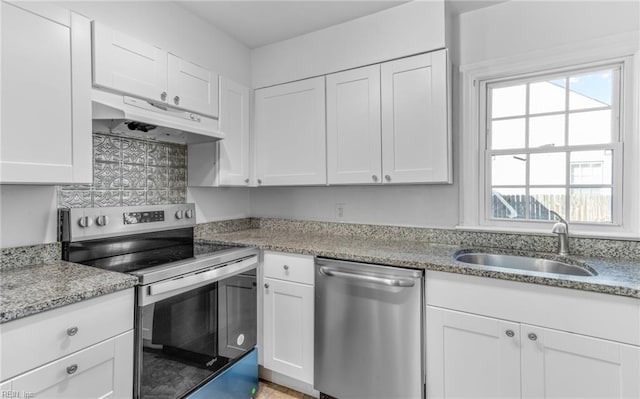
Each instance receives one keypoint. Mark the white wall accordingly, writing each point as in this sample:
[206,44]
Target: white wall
[407,29]
[518,27]
[28,213]
[395,205]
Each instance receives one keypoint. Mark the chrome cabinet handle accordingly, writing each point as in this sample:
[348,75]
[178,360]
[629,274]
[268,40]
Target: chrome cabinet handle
[176,100]
[387,177]
[374,178]
[266,285]
[509,333]
[72,369]
[71,331]
[163,95]
[532,336]
[286,267]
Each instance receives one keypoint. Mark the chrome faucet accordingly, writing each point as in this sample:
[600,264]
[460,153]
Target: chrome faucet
[561,228]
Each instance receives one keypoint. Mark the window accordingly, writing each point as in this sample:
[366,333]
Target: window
[553,146]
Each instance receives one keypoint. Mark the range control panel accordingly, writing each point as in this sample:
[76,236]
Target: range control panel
[76,224]
[143,217]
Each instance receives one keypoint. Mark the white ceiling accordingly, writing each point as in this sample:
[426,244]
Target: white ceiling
[260,22]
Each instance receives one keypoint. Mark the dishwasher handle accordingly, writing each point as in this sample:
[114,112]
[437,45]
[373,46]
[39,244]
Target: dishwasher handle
[392,282]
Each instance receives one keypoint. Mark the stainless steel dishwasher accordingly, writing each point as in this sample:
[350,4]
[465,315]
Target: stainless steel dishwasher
[368,331]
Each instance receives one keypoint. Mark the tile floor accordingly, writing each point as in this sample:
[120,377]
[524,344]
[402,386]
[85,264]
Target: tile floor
[269,390]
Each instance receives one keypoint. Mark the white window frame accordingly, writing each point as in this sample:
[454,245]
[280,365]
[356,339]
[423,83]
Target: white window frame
[624,49]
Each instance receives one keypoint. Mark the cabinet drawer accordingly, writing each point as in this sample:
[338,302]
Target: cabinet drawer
[288,267]
[96,372]
[32,341]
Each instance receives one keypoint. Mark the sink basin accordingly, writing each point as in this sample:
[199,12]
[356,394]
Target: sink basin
[524,263]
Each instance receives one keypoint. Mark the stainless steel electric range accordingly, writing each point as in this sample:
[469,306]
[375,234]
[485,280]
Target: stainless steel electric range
[196,307]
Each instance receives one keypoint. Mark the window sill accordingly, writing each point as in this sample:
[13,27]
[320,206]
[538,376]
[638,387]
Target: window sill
[573,232]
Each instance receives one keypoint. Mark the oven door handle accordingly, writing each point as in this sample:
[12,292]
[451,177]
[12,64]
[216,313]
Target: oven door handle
[202,278]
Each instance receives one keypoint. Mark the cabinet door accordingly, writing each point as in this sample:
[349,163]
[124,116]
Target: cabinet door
[557,364]
[46,109]
[353,126]
[100,371]
[470,356]
[416,140]
[288,329]
[234,122]
[290,134]
[128,65]
[192,87]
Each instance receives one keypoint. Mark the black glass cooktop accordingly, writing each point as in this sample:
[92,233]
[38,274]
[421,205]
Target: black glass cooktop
[132,253]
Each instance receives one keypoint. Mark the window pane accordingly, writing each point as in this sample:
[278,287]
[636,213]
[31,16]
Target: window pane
[591,167]
[546,97]
[591,205]
[544,200]
[590,90]
[508,170]
[546,169]
[508,101]
[508,203]
[507,133]
[546,131]
[590,127]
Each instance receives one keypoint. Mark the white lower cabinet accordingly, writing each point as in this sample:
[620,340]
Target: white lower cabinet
[83,351]
[288,315]
[478,356]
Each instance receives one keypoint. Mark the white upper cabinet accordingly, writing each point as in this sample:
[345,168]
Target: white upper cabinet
[46,90]
[125,64]
[128,65]
[290,134]
[192,87]
[416,139]
[234,123]
[353,126]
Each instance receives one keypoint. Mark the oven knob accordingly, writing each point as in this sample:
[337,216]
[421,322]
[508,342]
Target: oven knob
[189,213]
[85,221]
[102,220]
[179,214]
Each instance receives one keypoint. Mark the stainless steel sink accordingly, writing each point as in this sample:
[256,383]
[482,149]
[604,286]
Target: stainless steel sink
[524,263]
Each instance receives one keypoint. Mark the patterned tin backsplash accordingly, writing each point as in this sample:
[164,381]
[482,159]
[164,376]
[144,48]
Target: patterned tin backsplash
[128,171]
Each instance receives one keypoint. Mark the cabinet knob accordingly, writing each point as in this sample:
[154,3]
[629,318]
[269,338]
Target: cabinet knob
[176,100]
[72,369]
[179,214]
[259,181]
[387,177]
[246,180]
[374,178]
[509,333]
[532,336]
[286,267]
[71,331]
[188,213]
[266,285]
[163,95]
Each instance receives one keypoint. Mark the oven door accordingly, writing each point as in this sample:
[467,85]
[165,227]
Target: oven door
[193,327]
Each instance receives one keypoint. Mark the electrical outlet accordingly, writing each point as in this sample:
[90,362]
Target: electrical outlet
[340,209]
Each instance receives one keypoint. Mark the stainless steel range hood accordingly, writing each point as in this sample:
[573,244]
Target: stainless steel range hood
[129,116]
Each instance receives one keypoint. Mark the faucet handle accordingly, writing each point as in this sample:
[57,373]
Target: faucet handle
[560,228]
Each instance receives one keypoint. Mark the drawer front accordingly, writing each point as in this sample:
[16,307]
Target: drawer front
[35,340]
[94,372]
[289,267]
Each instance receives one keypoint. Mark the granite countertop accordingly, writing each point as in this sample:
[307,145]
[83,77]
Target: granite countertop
[617,277]
[33,289]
